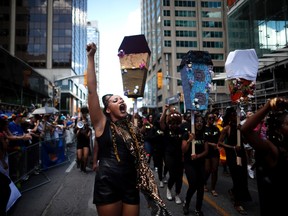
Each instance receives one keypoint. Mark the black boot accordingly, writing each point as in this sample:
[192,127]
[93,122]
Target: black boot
[186,209]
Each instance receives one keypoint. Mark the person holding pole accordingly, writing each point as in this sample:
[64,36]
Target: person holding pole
[236,160]
[194,164]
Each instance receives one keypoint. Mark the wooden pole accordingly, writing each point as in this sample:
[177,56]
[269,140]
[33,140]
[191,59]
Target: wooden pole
[193,131]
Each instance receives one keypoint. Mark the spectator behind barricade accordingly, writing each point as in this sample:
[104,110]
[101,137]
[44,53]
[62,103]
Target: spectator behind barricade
[9,193]
[18,139]
[33,127]
[47,128]
[69,134]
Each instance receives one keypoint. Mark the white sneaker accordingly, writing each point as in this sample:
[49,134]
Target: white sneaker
[168,194]
[165,181]
[177,200]
[251,173]
[161,184]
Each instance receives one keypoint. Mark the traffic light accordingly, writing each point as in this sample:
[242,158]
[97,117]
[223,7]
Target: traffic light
[159,80]
[85,78]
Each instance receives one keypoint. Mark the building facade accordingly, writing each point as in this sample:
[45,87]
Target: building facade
[50,36]
[172,28]
[93,35]
[263,26]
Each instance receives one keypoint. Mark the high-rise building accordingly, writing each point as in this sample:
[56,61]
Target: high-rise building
[172,28]
[50,36]
[263,26]
[93,35]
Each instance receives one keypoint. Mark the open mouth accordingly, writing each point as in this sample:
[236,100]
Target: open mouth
[123,108]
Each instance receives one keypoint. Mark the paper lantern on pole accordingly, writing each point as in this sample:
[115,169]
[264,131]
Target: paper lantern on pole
[134,54]
[196,71]
[241,69]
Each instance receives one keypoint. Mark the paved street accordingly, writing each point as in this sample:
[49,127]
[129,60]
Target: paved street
[64,190]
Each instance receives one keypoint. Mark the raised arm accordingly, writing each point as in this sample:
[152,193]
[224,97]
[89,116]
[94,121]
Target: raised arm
[252,136]
[163,118]
[96,114]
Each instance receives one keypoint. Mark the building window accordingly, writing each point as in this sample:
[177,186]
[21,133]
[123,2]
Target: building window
[166,3]
[208,4]
[186,43]
[167,43]
[213,44]
[212,24]
[211,14]
[167,23]
[166,12]
[180,13]
[186,34]
[185,3]
[185,23]
[212,34]
[217,56]
[167,33]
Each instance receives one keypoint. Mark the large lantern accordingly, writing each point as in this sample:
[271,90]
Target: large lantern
[134,55]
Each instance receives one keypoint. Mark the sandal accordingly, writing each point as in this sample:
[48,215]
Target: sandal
[214,193]
[240,210]
[206,189]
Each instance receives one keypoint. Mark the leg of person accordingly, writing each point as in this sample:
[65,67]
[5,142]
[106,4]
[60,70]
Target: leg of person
[130,210]
[85,158]
[207,172]
[114,209]
[79,157]
[214,174]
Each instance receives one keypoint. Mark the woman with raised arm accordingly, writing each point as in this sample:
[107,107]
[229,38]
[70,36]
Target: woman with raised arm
[271,155]
[123,168]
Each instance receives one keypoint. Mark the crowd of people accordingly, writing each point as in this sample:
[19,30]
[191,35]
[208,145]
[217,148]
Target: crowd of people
[128,148]
[21,135]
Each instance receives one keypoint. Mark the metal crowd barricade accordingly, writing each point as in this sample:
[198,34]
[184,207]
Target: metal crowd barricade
[35,159]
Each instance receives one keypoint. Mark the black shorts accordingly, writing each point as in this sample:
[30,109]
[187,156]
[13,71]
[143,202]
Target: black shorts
[81,145]
[113,184]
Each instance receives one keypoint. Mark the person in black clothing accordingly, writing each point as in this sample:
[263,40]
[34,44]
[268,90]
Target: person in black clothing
[211,135]
[271,155]
[170,124]
[158,144]
[234,153]
[194,165]
[83,135]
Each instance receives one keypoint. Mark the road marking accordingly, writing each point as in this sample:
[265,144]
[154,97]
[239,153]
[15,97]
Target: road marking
[70,167]
[207,199]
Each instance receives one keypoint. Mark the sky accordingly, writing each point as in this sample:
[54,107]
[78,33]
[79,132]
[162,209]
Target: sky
[116,19]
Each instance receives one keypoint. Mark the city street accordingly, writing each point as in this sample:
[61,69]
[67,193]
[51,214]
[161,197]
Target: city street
[64,190]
